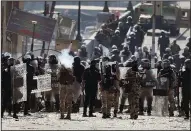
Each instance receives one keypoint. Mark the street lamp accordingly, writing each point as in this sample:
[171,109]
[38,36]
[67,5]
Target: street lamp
[34,24]
[78,37]
[106,8]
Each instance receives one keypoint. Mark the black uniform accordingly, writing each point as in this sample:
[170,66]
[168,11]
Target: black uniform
[186,90]
[91,78]
[163,42]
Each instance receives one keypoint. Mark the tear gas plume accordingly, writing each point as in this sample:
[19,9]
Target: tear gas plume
[65,58]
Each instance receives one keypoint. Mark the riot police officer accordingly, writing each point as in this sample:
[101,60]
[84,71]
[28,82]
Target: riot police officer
[167,53]
[133,78]
[189,44]
[132,42]
[91,77]
[52,68]
[139,34]
[163,43]
[115,55]
[125,53]
[168,73]
[175,48]
[186,84]
[83,53]
[186,53]
[148,81]
[78,70]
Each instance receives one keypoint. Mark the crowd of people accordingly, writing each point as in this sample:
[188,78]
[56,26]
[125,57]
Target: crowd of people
[101,77]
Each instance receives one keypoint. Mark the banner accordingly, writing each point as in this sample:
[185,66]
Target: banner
[19,83]
[20,22]
[64,44]
[65,27]
[43,83]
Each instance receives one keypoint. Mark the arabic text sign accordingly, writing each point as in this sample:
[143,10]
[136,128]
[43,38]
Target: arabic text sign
[43,83]
[20,22]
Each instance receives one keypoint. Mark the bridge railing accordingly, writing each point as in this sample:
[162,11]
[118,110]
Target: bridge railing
[92,39]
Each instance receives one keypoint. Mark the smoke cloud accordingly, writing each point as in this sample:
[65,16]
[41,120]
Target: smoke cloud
[65,58]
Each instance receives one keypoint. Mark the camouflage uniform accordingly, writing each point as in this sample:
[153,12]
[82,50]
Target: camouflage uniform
[66,98]
[133,78]
[53,70]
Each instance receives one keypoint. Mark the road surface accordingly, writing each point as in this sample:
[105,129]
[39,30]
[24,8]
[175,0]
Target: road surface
[51,121]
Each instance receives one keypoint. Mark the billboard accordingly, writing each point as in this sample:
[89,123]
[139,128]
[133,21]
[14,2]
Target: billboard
[20,22]
[66,27]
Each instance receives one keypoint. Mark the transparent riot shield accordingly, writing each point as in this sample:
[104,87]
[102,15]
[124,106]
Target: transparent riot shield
[19,83]
[161,97]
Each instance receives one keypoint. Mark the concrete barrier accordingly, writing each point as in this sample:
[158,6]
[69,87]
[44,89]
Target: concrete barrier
[91,42]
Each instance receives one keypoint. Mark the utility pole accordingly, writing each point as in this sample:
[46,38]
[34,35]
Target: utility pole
[106,8]
[51,15]
[3,44]
[190,19]
[153,35]
[79,37]
[46,11]
[34,25]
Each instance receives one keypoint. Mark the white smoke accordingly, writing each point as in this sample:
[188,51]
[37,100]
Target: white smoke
[65,58]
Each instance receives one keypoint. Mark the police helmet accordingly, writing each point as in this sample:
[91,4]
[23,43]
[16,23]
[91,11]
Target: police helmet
[105,58]
[132,33]
[11,61]
[186,49]
[115,51]
[182,58]
[145,48]
[7,55]
[117,31]
[187,63]
[83,46]
[39,59]
[171,59]
[77,59]
[136,27]
[139,49]
[114,47]
[93,62]
[188,39]
[145,63]
[133,57]
[129,18]
[167,49]
[31,54]
[165,63]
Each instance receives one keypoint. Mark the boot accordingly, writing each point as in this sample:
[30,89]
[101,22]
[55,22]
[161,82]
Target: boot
[115,113]
[47,106]
[16,117]
[108,115]
[91,114]
[149,110]
[68,117]
[62,116]
[104,116]
[121,108]
[186,116]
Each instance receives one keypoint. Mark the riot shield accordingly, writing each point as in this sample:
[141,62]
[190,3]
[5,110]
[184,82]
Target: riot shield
[43,83]
[160,93]
[19,83]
